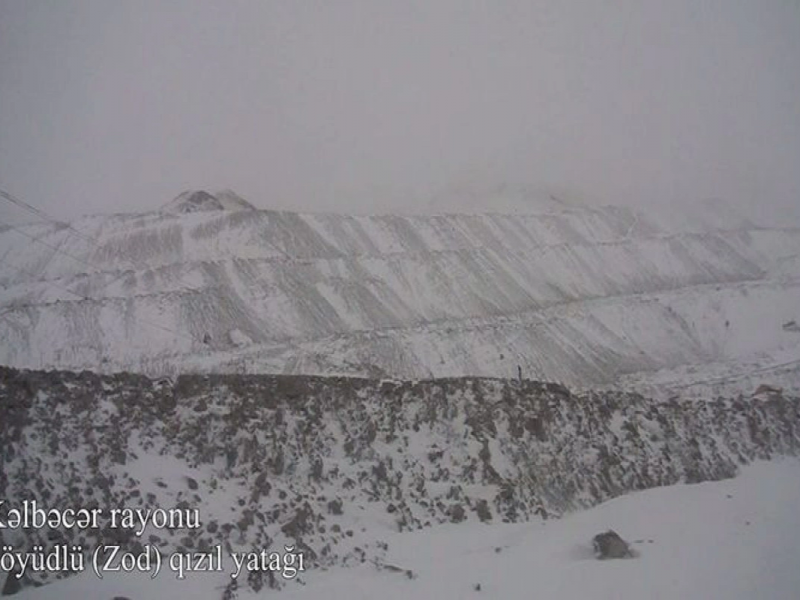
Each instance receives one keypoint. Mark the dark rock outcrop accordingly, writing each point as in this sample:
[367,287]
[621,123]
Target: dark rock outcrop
[610,545]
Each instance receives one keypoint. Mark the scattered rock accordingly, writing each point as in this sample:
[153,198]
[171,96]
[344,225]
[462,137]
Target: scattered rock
[335,507]
[610,545]
[12,584]
[457,513]
[273,442]
[484,513]
[767,390]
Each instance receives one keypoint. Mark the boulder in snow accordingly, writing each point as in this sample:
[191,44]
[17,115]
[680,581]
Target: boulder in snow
[610,545]
[767,390]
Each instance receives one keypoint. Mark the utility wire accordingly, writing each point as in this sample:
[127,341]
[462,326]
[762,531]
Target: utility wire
[58,250]
[43,243]
[42,214]
[89,298]
[24,205]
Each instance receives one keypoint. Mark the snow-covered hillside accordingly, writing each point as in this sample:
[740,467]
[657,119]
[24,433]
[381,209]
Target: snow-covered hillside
[730,540]
[586,296]
[727,540]
[336,467]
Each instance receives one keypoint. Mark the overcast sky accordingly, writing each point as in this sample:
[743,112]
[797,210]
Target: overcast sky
[373,106]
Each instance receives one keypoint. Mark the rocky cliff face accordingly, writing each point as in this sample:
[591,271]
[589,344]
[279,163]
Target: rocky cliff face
[327,464]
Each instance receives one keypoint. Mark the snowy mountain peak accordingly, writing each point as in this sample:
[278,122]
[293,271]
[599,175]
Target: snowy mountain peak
[202,201]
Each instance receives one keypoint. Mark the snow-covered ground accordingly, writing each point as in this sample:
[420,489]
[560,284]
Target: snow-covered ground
[733,539]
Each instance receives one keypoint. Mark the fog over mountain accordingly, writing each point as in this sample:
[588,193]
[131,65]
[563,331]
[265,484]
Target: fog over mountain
[360,107]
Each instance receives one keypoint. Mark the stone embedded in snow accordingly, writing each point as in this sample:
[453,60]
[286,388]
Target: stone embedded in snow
[791,326]
[610,545]
[767,390]
[239,338]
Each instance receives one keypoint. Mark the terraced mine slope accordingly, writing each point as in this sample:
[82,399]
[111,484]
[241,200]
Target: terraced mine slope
[587,297]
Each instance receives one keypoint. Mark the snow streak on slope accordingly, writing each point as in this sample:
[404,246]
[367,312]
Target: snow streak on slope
[580,295]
